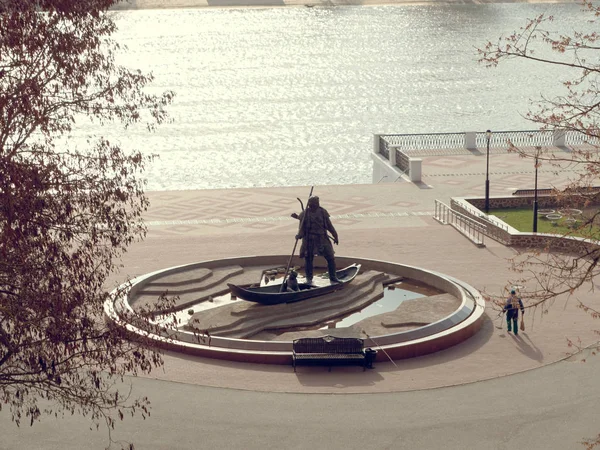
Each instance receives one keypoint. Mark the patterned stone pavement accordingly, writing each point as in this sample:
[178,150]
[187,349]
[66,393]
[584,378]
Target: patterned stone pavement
[269,209]
[400,204]
[391,222]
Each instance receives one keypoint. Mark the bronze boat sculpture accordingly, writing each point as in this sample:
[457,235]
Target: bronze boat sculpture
[272,295]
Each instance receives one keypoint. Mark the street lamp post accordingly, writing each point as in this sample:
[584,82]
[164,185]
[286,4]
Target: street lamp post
[535,197]
[488,135]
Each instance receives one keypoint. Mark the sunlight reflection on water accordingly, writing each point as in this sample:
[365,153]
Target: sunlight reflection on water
[292,96]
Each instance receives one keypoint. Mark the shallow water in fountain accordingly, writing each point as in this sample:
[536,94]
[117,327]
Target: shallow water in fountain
[391,300]
[393,296]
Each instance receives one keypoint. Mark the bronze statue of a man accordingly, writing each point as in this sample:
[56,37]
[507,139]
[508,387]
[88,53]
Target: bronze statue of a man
[314,225]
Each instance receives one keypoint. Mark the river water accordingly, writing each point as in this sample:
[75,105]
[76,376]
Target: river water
[292,96]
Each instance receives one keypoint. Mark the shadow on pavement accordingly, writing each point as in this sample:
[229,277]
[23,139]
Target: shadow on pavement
[339,377]
[246,366]
[456,352]
[528,348]
[422,185]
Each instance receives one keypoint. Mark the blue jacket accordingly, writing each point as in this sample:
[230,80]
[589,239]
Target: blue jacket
[512,312]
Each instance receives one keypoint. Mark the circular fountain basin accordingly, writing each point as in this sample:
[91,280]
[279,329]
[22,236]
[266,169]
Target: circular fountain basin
[390,334]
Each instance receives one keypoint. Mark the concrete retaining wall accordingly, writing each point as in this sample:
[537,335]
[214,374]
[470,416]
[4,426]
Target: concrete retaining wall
[501,232]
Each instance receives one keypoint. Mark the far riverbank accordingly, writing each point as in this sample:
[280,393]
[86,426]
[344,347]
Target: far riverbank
[169,4]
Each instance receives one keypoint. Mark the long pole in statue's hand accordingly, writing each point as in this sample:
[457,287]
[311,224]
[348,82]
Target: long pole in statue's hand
[287,269]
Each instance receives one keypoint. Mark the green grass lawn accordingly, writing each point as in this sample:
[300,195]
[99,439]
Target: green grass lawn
[522,220]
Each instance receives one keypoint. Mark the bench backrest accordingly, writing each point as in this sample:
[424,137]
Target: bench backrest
[328,344]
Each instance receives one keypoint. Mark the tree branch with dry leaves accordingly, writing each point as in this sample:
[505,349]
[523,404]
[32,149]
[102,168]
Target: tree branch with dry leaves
[549,272]
[67,214]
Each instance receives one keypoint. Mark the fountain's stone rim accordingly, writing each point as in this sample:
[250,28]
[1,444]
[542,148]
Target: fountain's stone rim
[458,326]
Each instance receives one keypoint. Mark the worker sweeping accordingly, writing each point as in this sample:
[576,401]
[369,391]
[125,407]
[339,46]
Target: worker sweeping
[512,306]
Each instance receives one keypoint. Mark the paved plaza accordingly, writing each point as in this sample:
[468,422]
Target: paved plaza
[492,391]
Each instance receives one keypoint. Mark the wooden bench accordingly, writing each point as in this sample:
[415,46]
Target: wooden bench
[329,350]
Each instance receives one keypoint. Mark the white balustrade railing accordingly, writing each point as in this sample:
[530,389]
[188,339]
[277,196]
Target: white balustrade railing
[425,141]
[518,138]
[498,139]
[573,137]
[404,151]
[474,230]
